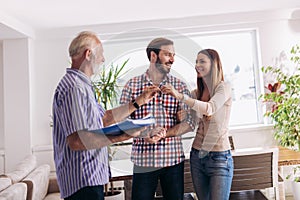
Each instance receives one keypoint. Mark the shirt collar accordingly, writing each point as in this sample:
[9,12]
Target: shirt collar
[80,75]
[146,79]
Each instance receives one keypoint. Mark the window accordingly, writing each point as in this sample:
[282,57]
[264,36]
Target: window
[238,52]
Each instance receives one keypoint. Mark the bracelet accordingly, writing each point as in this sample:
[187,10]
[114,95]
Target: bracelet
[135,104]
[185,97]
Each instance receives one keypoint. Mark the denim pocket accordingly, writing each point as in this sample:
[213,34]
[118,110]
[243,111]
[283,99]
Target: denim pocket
[219,158]
[220,163]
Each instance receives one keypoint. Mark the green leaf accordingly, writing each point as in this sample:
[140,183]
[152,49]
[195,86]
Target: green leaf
[286,115]
[105,85]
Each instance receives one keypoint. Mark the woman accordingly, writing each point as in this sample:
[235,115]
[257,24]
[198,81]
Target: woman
[210,156]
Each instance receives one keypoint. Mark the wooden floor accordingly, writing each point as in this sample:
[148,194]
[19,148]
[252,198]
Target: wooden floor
[247,195]
[257,195]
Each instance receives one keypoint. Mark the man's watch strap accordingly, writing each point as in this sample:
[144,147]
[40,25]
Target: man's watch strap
[135,104]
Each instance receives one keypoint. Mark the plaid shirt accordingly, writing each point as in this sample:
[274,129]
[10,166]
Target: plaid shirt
[168,151]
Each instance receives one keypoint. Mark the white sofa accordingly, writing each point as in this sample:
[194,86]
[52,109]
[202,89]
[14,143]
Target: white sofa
[29,181]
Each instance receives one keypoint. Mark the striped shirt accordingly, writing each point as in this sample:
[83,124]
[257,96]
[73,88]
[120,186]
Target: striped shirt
[75,109]
[168,151]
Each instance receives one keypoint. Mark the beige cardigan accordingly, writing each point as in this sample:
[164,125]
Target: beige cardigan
[212,132]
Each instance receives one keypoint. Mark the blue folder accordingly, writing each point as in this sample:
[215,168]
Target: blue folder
[128,124]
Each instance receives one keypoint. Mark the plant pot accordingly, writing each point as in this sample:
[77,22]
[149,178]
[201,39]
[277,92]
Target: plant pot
[117,195]
[296,190]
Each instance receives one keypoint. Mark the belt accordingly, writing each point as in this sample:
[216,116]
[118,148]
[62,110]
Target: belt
[202,153]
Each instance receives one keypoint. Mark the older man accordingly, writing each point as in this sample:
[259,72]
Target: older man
[81,157]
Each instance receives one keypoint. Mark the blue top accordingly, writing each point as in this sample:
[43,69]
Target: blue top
[74,109]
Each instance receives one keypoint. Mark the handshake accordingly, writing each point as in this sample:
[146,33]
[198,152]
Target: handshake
[154,135]
[157,133]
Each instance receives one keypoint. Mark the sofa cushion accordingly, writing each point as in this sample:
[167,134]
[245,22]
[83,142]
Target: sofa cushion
[16,191]
[4,183]
[53,185]
[53,196]
[22,169]
[37,182]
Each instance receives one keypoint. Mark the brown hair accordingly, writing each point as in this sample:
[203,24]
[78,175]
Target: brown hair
[216,72]
[156,44]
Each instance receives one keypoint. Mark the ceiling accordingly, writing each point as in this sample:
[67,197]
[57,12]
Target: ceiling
[35,15]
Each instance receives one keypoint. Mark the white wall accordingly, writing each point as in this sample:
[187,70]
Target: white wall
[2,162]
[277,36]
[16,93]
[1,112]
[1,99]
[51,61]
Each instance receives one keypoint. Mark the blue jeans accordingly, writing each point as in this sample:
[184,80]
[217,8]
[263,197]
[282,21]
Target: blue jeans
[212,174]
[145,181]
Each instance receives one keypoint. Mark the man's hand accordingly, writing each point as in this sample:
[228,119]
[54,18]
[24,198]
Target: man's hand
[181,115]
[137,132]
[147,95]
[156,134]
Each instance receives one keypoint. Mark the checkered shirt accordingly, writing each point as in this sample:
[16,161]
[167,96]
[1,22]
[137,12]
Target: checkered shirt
[168,151]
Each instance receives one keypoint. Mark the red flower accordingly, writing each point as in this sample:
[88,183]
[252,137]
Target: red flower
[274,108]
[275,87]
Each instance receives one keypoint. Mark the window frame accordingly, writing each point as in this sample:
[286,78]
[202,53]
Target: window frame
[258,77]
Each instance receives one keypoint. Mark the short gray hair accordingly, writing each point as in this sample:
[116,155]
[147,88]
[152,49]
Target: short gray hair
[84,40]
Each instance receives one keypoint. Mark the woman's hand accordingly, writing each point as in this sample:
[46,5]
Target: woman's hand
[169,89]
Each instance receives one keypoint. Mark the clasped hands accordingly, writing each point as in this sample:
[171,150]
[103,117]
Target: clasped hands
[154,135]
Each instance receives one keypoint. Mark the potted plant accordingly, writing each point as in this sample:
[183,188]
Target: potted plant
[106,89]
[296,182]
[106,85]
[283,106]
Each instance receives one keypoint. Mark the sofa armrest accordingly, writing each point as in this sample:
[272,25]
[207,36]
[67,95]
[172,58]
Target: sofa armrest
[15,191]
[37,182]
[23,169]
[4,183]
[53,185]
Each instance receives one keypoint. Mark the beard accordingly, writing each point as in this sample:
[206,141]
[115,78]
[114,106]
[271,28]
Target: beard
[97,65]
[97,68]
[159,66]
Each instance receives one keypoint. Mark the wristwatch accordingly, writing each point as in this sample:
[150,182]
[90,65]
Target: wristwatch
[135,104]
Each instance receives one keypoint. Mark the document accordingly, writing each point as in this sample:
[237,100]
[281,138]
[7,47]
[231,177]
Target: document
[128,124]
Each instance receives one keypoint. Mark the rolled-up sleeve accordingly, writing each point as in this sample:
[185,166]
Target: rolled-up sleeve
[222,94]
